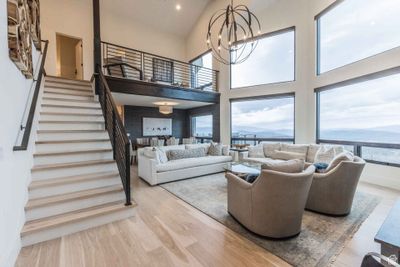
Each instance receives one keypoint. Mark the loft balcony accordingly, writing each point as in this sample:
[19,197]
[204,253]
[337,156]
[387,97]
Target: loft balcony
[131,71]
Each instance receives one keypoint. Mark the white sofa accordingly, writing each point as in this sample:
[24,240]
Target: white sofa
[153,171]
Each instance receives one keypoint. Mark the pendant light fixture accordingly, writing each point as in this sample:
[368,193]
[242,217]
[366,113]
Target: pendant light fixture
[232,34]
[165,107]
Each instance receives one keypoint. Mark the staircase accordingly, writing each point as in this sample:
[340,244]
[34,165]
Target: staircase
[75,180]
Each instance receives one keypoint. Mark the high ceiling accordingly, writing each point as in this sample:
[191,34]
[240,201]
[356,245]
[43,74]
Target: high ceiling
[162,14]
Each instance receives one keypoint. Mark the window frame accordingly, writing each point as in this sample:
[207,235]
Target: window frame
[356,144]
[318,43]
[265,97]
[263,36]
[202,138]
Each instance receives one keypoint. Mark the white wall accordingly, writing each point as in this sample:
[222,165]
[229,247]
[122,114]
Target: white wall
[75,18]
[14,166]
[299,13]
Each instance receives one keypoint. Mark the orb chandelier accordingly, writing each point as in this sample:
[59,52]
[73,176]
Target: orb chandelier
[232,34]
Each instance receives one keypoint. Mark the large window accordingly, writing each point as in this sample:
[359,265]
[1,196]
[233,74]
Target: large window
[264,119]
[202,126]
[356,29]
[364,114]
[202,75]
[271,62]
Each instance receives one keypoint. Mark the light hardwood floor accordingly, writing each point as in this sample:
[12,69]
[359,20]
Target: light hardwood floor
[168,232]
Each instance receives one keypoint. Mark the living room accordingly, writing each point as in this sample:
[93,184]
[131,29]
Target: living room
[201,133]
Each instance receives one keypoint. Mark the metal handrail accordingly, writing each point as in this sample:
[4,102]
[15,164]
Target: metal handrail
[31,115]
[116,130]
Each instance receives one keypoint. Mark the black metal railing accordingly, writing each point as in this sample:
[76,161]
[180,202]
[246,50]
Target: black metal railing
[379,153]
[204,139]
[120,61]
[256,140]
[117,133]
[27,128]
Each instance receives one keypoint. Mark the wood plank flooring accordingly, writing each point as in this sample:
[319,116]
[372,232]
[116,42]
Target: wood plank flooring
[168,232]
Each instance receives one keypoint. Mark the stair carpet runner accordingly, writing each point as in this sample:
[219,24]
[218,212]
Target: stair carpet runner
[75,181]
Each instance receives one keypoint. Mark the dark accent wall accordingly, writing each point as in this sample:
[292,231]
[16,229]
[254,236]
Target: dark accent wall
[207,110]
[133,120]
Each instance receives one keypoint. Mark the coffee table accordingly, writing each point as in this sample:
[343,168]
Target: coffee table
[243,168]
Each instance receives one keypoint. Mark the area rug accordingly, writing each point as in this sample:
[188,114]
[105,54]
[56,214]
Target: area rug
[321,239]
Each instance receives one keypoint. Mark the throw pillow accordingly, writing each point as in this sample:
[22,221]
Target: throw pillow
[290,166]
[285,155]
[325,154]
[215,149]
[250,178]
[187,153]
[301,149]
[162,156]
[225,150]
[256,151]
[269,149]
[312,151]
[320,167]
[344,156]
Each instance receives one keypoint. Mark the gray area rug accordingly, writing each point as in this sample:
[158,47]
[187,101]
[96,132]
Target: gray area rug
[321,239]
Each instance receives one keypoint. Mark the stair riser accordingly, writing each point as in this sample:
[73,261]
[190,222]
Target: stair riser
[73,205]
[55,159]
[66,81]
[55,232]
[71,103]
[72,187]
[71,110]
[68,86]
[57,147]
[71,171]
[72,97]
[60,91]
[45,117]
[71,136]
[71,126]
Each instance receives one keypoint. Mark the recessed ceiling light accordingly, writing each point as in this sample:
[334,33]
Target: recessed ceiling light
[178,7]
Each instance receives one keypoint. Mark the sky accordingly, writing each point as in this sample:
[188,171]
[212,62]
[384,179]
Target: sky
[356,29]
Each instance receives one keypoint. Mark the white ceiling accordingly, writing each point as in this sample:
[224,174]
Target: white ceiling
[147,101]
[162,14]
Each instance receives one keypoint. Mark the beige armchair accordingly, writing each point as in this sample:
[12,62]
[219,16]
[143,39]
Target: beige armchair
[332,193]
[273,205]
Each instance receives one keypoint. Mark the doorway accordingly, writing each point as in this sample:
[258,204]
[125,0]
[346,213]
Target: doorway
[69,57]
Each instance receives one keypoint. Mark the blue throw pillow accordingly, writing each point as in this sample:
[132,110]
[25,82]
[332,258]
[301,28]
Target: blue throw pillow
[320,166]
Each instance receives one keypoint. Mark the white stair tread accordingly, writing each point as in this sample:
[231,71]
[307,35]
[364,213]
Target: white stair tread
[58,220]
[70,114]
[54,91]
[71,164]
[69,100]
[66,122]
[68,106]
[71,152]
[73,141]
[72,179]
[51,200]
[71,131]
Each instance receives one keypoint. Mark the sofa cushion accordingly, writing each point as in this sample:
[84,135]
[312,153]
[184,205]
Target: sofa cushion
[262,160]
[290,166]
[256,151]
[225,150]
[286,155]
[186,153]
[191,162]
[344,156]
[312,151]
[269,149]
[295,148]
[215,149]
[204,146]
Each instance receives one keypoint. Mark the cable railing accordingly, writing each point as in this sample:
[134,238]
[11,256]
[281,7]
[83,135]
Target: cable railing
[27,126]
[116,130]
[124,62]
[256,140]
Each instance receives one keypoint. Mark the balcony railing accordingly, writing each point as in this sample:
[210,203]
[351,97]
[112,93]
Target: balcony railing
[124,62]
[378,153]
[256,140]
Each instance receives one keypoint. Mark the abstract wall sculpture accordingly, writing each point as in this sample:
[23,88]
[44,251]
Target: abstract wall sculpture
[23,28]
